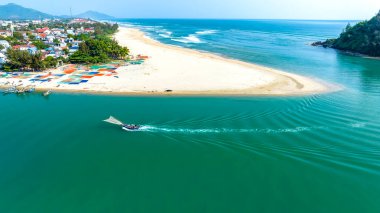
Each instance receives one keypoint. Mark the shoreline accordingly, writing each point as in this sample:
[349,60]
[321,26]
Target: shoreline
[220,93]
[226,93]
[347,52]
[187,72]
[314,86]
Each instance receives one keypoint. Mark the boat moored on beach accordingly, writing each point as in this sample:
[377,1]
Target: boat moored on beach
[47,93]
[19,90]
[9,90]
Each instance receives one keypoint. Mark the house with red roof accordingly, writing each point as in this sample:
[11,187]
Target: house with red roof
[45,30]
[89,30]
[30,48]
[5,33]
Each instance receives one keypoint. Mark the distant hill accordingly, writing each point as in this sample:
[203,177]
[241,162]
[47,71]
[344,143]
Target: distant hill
[363,38]
[94,15]
[14,11]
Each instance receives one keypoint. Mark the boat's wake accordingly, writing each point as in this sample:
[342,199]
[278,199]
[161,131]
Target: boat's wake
[150,128]
[158,129]
[154,129]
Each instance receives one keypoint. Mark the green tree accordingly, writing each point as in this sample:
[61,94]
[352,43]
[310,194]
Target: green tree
[31,37]
[18,36]
[66,51]
[99,50]
[348,27]
[82,37]
[56,41]
[36,63]
[18,59]
[363,38]
[50,62]
[25,61]
[40,45]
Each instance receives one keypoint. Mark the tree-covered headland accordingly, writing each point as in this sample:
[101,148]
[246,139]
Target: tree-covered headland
[363,38]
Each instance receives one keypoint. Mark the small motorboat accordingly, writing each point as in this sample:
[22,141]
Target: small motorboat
[20,91]
[126,127]
[30,89]
[10,90]
[130,127]
[47,93]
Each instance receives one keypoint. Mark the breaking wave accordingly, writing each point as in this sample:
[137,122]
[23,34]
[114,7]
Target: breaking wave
[165,33]
[193,38]
[188,39]
[206,32]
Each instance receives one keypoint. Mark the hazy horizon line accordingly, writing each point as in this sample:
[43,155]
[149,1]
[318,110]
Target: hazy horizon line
[263,19]
[189,18]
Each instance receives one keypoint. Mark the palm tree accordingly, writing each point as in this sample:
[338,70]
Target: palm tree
[36,62]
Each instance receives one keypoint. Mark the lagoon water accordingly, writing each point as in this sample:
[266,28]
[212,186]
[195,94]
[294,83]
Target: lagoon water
[318,153]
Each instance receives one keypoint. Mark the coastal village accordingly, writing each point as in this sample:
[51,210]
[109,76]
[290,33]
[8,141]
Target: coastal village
[58,41]
[54,41]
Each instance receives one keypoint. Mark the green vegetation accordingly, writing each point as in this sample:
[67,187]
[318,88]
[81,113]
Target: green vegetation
[14,11]
[56,41]
[31,37]
[363,38]
[98,50]
[101,29]
[40,45]
[50,62]
[104,29]
[80,37]
[12,40]
[18,36]
[1,47]
[25,61]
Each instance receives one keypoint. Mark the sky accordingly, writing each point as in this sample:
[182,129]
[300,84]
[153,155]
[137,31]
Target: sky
[227,9]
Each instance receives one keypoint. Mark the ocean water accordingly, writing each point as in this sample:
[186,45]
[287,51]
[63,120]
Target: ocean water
[318,153]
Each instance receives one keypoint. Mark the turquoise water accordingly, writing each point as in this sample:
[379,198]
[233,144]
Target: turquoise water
[318,153]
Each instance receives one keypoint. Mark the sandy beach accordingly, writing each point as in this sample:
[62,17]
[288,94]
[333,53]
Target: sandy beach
[175,70]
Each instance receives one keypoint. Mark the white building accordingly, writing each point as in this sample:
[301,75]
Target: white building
[6,23]
[62,44]
[3,58]
[5,33]
[70,32]
[36,22]
[5,44]
[50,38]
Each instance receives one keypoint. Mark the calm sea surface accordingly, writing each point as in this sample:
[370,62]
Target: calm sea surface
[318,153]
